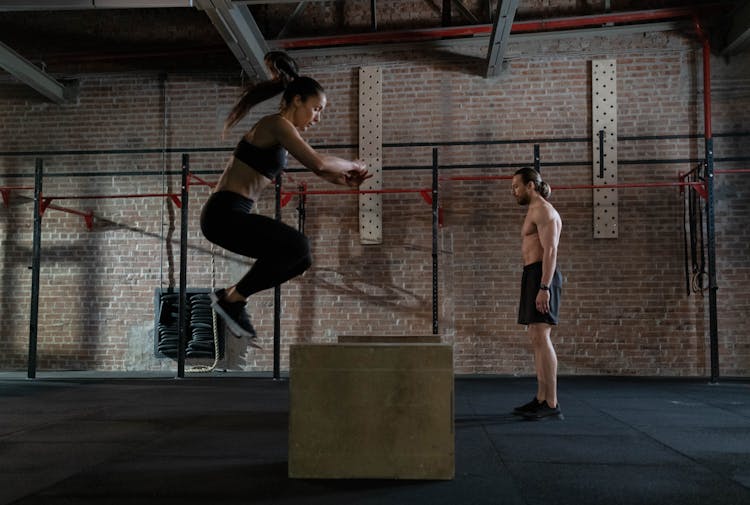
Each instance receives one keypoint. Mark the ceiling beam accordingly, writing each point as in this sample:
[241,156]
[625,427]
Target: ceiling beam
[31,75]
[240,32]
[264,2]
[738,36]
[506,11]
[300,7]
[466,12]
[62,5]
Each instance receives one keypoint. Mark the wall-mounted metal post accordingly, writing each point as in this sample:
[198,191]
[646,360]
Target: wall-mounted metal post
[277,301]
[435,224]
[710,230]
[36,261]
[712,284]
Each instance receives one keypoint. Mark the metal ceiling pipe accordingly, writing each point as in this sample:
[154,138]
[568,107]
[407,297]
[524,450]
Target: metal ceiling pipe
[518,28]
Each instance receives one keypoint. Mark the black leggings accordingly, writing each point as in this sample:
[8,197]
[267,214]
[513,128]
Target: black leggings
[280,251]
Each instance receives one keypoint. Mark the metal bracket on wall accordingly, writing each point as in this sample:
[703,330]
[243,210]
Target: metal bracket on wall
[371,152]
[604,141]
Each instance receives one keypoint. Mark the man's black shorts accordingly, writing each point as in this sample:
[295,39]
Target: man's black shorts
[532,277]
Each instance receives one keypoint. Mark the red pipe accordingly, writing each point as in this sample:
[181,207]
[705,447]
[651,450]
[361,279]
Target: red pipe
[601,19]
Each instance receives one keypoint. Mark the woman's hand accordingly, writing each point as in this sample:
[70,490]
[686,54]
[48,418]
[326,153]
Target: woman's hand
[356,175]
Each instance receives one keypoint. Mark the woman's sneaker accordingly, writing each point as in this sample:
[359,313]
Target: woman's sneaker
[544,411]
[234,316]
[527,407]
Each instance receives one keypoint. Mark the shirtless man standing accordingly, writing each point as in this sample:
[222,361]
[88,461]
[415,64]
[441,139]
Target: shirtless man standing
[540,288]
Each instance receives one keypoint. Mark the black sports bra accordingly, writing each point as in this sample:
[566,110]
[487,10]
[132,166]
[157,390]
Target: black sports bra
[270,161]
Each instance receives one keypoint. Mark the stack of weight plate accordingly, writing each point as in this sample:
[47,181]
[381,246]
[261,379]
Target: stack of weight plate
[166,328]
[201,342]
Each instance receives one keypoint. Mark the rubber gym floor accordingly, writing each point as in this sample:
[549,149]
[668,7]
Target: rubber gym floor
[81,439]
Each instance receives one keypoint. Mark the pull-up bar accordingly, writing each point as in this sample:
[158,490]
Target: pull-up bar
[46,203]
[42,203]
[286,196]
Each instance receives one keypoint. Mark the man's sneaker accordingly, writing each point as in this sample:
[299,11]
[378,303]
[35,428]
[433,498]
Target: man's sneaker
[234,316]
[544,411]
[527,407]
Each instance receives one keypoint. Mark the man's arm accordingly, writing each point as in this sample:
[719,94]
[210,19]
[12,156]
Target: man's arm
[548,227]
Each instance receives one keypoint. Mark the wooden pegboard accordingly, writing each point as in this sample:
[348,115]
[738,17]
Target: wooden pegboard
[604,167]
[371,152]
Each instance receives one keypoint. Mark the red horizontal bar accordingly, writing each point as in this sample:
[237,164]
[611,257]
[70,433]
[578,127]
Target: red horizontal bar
[287,195]
[629,185]
[104,197]
[478,178]
[352,191]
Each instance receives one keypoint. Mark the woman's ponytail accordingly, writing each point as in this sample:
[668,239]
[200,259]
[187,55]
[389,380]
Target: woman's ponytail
[283,69]
[282,66]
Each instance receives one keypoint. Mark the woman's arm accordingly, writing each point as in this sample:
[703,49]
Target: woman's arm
[331,168]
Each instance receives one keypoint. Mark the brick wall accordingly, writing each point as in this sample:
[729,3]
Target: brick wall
[625,309]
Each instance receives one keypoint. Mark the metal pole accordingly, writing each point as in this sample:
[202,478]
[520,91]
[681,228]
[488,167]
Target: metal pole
[537,159]
[277,301]
[710,229]
[35,266]
[712,284]
[182,322]
[435,223]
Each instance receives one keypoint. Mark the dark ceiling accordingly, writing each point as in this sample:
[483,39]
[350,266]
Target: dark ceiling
[61,37]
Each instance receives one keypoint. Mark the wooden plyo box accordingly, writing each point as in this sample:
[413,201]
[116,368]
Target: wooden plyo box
[379,411]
